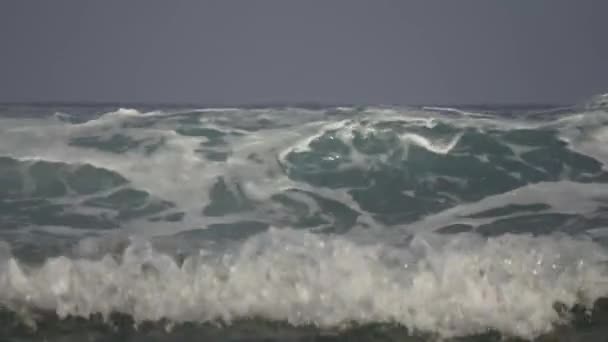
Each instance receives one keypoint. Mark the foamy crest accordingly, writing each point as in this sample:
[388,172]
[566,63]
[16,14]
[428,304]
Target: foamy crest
[455,285]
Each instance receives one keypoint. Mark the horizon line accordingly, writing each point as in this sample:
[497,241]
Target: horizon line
[281,104]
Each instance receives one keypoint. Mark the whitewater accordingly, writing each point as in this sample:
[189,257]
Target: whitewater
[304,223]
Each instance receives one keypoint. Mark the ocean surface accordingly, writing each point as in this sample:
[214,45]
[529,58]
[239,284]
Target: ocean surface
[304,223]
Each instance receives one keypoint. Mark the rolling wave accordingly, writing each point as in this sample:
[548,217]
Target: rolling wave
[439,220]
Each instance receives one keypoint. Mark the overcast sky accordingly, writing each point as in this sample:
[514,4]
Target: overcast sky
[328,51]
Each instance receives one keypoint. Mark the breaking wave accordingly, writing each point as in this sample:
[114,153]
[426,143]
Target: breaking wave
[449,222]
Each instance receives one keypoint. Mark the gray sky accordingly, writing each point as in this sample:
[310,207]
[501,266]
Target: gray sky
[330,51]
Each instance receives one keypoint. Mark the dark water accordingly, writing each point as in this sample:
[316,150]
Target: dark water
[303,224]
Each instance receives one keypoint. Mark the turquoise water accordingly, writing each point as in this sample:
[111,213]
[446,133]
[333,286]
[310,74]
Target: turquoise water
[303,224]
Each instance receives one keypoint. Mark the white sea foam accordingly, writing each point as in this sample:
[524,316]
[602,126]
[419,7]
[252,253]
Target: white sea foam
[563,197]
[177,171]
[451,285]
[456,285]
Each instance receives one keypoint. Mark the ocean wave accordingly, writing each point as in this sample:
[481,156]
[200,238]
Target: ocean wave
[452,286]
[442,221]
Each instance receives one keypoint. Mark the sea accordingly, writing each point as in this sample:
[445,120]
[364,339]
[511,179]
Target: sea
[304,223]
